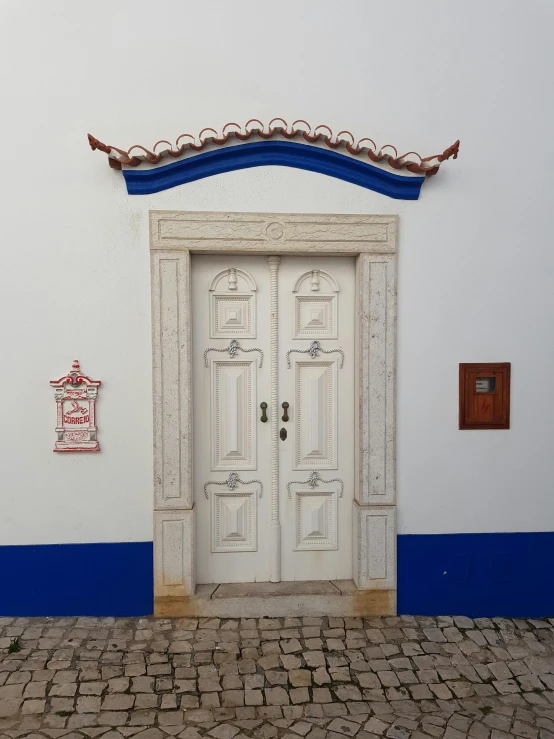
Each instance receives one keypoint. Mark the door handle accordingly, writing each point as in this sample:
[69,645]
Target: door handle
[283,434]
[263,406]
[285,407]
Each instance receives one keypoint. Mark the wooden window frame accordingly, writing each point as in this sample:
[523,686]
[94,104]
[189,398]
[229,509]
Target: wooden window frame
[486,369]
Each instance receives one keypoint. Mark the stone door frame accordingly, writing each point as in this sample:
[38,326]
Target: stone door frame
[372,239]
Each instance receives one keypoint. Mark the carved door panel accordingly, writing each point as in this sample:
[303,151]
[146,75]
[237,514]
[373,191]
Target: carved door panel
[230,313]
[316,379]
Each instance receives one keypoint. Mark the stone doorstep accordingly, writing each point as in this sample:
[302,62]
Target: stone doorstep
[294,598]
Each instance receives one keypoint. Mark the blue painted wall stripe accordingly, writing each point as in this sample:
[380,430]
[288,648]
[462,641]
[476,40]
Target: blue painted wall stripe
[508,574]
[281,153]
[470,574]
[77,580]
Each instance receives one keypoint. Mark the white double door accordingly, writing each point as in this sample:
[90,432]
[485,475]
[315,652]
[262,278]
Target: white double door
[273,495]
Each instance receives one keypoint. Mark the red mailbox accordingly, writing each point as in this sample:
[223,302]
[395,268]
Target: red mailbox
[76,412]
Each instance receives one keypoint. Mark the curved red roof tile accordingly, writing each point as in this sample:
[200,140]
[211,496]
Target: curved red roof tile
[411,161]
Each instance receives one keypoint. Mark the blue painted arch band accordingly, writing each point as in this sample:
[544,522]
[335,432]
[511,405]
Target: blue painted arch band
[273,153]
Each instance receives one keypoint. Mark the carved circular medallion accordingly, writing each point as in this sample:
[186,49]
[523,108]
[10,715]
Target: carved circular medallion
[275,231]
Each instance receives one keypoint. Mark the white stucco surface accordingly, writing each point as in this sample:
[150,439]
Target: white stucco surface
[475,252]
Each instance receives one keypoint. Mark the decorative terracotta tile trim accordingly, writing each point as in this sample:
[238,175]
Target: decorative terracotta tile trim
[411,161]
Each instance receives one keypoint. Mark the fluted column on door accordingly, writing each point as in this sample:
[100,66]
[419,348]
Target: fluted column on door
[275,526]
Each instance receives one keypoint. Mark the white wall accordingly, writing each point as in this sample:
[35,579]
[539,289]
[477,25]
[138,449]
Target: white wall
[476,255]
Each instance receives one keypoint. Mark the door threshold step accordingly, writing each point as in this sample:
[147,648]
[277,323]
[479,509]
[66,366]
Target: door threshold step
[281,599]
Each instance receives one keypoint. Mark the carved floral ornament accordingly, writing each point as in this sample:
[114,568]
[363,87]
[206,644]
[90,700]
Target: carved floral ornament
[76,395]
[299,145]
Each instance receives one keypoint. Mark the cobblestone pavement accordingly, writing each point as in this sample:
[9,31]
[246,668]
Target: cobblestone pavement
[319,678]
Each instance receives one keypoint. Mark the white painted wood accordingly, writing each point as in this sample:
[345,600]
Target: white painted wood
[318,281]
[315,317]
[320,432]
[232,305]
[316,518]
[315,424]
[274,263]
[231,279]
[315,306]
[232,525]
[233,414]
[234,521]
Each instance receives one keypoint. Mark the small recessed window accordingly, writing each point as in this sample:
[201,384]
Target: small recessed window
[485,384]
[485,395]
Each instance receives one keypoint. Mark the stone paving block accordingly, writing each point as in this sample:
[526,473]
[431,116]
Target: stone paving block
[224,731]
[461,689]
[95,687]
[398,732]
[86,723]
[276,697]
[170,718]
[209,685]
[524,730]
[9,692]
[347,693]
[300,678]
[35,690]
[340,674]
[154,733]
[142,718]
[231,698]
[146,700]
[484,690]
[117,702]
[506,686]
[290,661]
[452,733]
[168,702]
[539,624]
[19,677]
[375,726]
[343,726]
[88,704]
[64,690]
[440,690]
[434,634]
[421,692]
[498,721]
[407,677]
[463,622]
[253,697]
[314,659]
[112,718]
[276,677]
[62,704]
[33,706]
[291,646]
